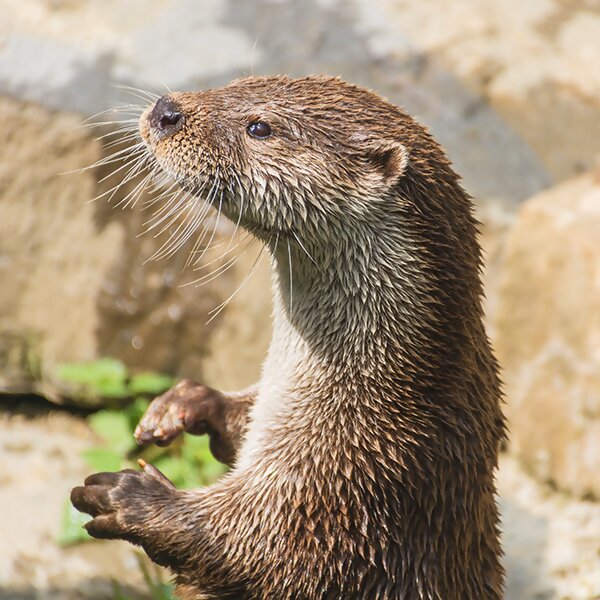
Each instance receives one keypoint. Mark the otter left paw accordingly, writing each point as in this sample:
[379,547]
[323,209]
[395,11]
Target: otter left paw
[121,503]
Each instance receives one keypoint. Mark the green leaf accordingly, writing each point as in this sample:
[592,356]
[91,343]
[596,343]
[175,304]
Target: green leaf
[166,591]
[135,411]
[202,468]
[157,587]
[113,427]
[102,459]
[172,468]
[196,447]
[212,470]
[118,592]
[150,383]
[71,527]
[104,377]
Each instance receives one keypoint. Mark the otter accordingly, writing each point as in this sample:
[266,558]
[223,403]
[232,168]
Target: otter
[363,461]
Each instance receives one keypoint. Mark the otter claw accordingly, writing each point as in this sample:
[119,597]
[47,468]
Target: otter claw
[186,407]
[117,501]
[154,472]
[144,437]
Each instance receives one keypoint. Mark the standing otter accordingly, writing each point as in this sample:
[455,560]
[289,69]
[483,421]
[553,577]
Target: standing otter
[363,460]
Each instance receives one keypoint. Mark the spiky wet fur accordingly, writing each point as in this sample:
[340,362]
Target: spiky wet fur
[368,467]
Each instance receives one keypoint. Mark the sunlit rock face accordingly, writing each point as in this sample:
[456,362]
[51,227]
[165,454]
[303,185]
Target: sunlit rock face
[75,281]
[548,334]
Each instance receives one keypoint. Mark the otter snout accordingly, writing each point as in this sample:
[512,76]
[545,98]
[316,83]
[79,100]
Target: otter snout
[165,118]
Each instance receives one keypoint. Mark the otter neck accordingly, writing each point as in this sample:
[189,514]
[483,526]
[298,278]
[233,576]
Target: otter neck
[352,304]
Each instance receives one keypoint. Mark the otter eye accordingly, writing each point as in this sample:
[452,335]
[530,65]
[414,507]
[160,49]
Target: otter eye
[259,130]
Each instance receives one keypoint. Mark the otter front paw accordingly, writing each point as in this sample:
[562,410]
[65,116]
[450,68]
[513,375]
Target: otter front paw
[188,406]
[122,503]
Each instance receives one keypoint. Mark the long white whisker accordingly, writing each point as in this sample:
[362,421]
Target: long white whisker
[136,92]
[162,81]
[134,119]
[183,231]
[164,193]
[173,204]
[217,310]
[198,243]
[165,198]
[115,157]
[172,242]
[303,248]
[114,109]
[172,209]
[131,164]
[196,219]
[291,278]
[230,262]
[214,231]
[126,135]
[169,213]
[239,219]
[207,264]
[137,164]
[131,198]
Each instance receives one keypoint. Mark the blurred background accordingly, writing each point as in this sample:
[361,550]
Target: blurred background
[89,330]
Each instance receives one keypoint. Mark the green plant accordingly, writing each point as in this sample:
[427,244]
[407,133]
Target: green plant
[187,462]
[157,586]
[102,378]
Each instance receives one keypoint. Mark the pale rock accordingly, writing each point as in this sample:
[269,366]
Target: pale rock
[579,53]
[548,335]
[535,63]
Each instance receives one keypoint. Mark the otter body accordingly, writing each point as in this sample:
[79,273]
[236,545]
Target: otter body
[363,461]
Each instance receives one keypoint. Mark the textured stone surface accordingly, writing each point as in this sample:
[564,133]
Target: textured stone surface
[63,253]
[41,462]
[550,539]
[496,221]
[458,66]
[45,231]
[88,46]
[548,334]
[532,63]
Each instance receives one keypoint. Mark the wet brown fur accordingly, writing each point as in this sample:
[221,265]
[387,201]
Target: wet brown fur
[367,470]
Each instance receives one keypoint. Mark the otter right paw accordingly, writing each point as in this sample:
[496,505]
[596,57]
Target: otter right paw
[188,406]
[123,504]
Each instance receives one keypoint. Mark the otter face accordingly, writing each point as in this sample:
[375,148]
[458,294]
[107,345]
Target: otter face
[281,154]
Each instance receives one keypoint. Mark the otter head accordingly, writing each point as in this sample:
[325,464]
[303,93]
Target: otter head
[281,154]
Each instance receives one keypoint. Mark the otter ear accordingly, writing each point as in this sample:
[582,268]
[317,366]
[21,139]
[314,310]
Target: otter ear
[390,158]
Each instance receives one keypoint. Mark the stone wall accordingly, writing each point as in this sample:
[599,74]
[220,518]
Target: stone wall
[548,335]
[510,89]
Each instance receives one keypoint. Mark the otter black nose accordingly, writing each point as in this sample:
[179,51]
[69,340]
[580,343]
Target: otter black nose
[165,117]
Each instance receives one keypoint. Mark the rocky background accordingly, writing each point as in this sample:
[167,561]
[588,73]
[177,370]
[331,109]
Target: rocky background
[512,90]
